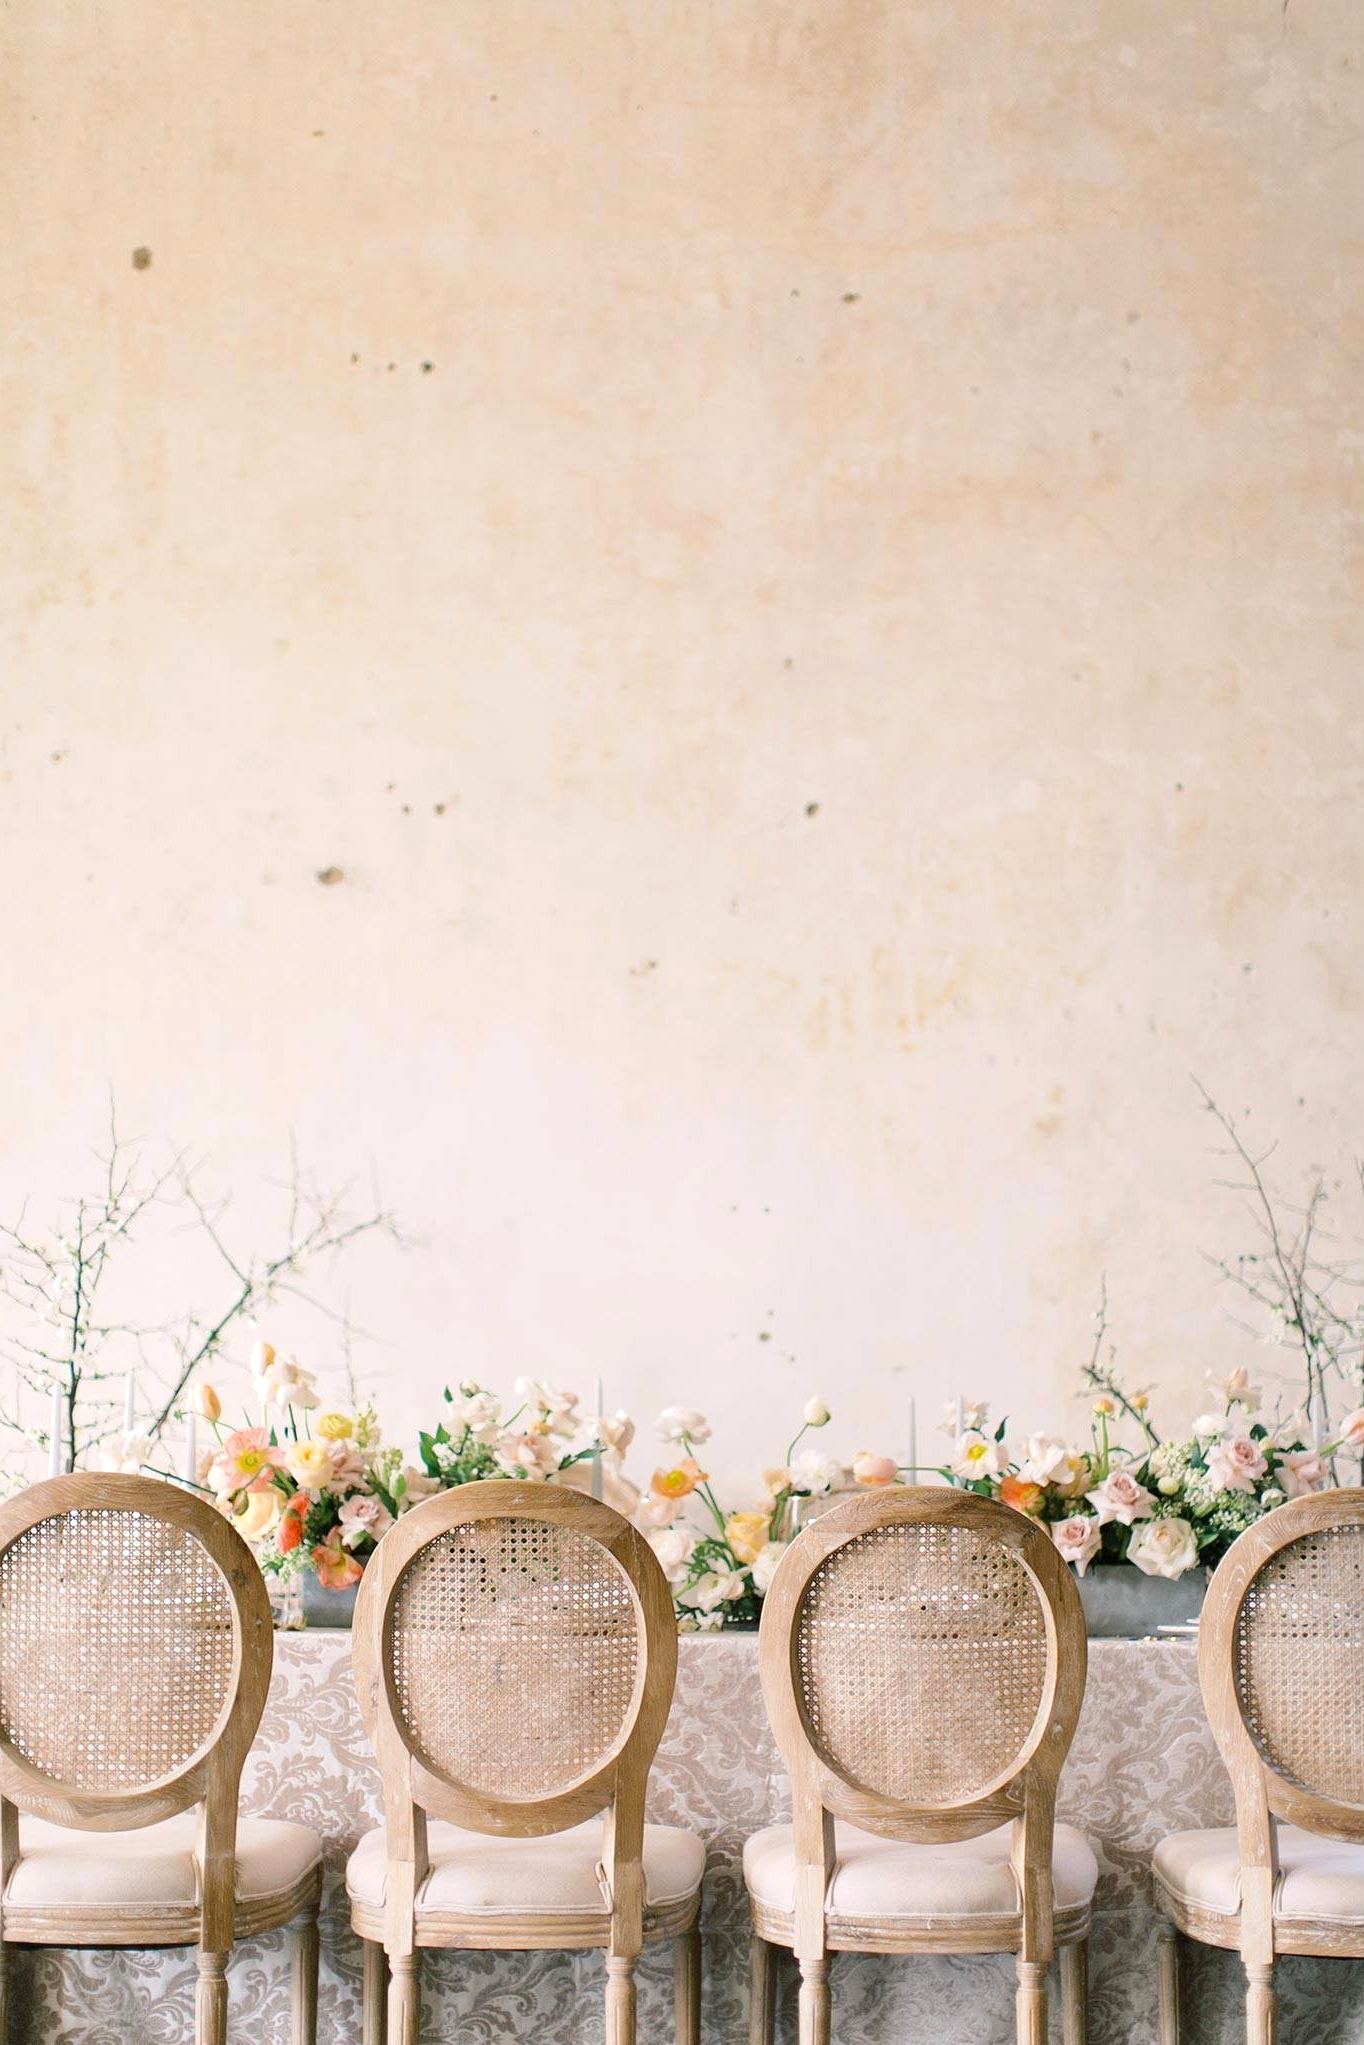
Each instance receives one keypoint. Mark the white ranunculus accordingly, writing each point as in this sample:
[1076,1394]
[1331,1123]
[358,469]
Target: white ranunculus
[1045,1458]
[816,1473]
[816,1413]
[682,1423]
[674,1547]
[1163,1547]
[765,1565]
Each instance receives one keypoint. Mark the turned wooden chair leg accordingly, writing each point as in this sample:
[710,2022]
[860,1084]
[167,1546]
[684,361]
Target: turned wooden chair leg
[620,1999]
[1075,1992]
[6,1964]
[814,2001]
[210,2000]
[1030,2003]
[1262,2006]
[1167,1983]
[762,1992]
[405,1999]
[374,2000]
[304,1947]
[687,1987]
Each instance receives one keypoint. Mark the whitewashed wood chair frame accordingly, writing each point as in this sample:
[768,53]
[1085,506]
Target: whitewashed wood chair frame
[522,1793]
[1289,1756]
[877,1701]
[116,1748]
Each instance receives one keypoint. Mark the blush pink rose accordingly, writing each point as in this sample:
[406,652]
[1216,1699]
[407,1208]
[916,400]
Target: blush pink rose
[1077,1540]
[1234,1465]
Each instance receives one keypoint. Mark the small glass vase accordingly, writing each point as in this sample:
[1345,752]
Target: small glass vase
[286,1602]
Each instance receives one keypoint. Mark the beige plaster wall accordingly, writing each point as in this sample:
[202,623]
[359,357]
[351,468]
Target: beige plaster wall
[801,560]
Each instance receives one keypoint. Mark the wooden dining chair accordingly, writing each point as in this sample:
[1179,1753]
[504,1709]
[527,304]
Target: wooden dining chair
[1281,1664]
[135,1654]
[515,1651]
[923,1665]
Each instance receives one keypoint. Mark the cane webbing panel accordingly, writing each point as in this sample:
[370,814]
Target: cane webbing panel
[1299,1663]
[515,1648]
[116,1648]
[921,1658]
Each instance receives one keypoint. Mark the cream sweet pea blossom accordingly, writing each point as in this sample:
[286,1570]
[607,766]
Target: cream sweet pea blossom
[1121,1498]
[1234,1465]
[1163,1548]
[765,1565]
[1236,1388]
[653,1512]
[968,1414]
[477,1410]
[1301,1471]
[977,1456]
[679,1423]
[674,1547]
[530,1455]
[1077,1540]
[553,1410]
[1044,1459]
[126,1452]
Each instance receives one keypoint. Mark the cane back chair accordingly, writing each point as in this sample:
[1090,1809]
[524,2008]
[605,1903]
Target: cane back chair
[135,1654]
[923,1665]
[515,1652]
[1281,1664]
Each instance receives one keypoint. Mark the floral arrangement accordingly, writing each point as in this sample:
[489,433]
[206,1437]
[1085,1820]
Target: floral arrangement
[308,1487]
[544,1436]
[721,1572]
[1166,1505]
[302,1490]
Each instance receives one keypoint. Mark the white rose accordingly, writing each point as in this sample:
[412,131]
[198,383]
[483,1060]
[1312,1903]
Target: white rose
[126,1452]
[674,1547]
[765,1565]
[815,1473]
[1077,1540]
[1163,1547]
[678,1423]
[477,1410]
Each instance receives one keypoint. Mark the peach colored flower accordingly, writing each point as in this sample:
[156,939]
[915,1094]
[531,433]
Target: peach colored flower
[1121,1498]
[1302,1471]
[680,1481]
[1077,1540]
[1234,1465]
[206,1402]
[747,1533]
[291,1524]
[336,1570]
[1352,1429]
[257,1513]
[244,1463]
[1022,1495]
[870,1469]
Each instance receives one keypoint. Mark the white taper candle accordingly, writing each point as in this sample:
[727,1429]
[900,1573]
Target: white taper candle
[913,1443]
[54,1444]
[129,1402]
[961,1418]
[191,1449]
[596,1460]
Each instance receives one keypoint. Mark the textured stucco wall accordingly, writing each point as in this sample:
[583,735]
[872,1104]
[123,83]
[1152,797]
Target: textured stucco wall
[834,691]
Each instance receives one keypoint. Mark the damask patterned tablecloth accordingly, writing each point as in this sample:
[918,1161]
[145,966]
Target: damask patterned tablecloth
[1143,1764]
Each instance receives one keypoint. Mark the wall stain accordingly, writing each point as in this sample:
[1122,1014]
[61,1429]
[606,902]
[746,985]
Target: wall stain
[330,875]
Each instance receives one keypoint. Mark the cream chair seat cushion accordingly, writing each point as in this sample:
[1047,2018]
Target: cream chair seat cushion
[155,1865]
[893,1878]
[475,1875]
[1318,1878]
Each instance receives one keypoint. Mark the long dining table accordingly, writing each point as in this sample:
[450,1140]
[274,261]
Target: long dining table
[1143,1764]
